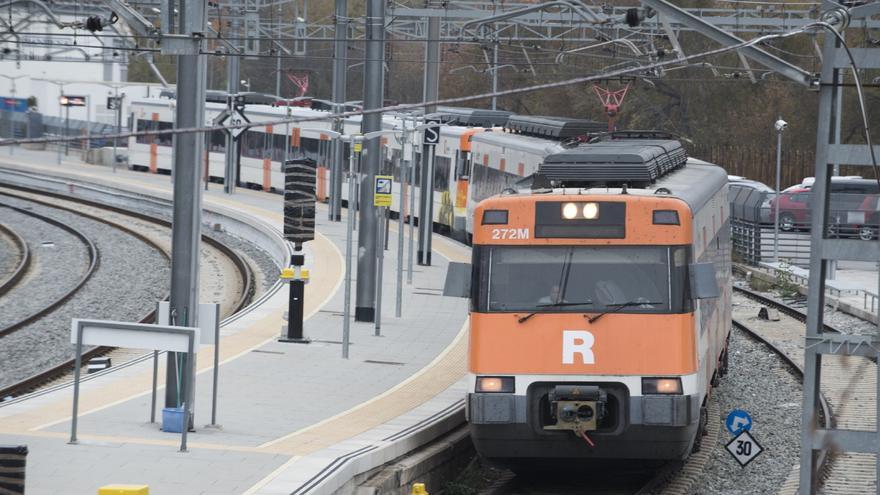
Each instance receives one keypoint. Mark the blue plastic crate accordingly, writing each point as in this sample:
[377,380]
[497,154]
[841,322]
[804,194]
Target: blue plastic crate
[172,419]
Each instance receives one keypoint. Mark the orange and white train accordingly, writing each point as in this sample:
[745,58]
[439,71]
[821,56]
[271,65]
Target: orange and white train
[600,305]
[480,153]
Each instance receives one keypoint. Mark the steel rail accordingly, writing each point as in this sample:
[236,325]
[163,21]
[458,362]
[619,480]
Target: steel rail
[241,265]
[94,261]
[23,262]
[825,407]
[37,381]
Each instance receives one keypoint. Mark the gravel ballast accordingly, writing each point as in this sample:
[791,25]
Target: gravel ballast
[58,261]
[131,277]
[760,383]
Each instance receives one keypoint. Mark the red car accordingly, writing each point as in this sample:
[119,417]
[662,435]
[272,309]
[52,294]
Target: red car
[794,208]
[854,209]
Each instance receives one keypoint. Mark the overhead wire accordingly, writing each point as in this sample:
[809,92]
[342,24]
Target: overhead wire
[444,101]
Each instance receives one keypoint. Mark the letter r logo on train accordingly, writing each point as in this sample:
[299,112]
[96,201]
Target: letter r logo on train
[578,342]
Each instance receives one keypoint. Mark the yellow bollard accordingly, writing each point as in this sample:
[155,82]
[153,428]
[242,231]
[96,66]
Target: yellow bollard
[124,490]
[419,489]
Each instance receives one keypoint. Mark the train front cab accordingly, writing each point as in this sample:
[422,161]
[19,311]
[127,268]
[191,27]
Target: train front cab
[586,337]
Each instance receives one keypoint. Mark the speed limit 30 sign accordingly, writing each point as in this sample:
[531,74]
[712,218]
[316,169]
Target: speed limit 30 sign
[744,448]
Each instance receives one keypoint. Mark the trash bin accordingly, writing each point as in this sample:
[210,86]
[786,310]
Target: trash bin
[172,419]
[12,464]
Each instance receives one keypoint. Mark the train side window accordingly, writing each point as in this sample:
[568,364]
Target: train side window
[441,173]
[463,165]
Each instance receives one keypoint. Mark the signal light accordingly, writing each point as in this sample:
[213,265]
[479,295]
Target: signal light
[661,386]
[495,384]
[569,211]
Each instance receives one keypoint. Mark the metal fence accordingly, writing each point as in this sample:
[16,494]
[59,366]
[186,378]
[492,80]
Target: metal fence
[34,124]
[851,215]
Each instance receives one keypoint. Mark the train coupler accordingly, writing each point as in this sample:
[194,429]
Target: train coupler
[577,408]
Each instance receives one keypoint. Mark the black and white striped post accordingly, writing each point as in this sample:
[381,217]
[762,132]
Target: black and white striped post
[299,227]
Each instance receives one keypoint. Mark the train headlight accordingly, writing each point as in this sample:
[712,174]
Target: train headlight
[591,211]
[495,384]
[569,211]
[655,386]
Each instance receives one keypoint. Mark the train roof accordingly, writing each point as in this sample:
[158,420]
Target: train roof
[556,128]
[634,158]
[471,117]
[500,137]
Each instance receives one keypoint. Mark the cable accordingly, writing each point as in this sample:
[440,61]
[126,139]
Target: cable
[855,73]
[440,102]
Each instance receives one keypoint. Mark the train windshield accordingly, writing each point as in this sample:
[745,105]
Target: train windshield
[625,279]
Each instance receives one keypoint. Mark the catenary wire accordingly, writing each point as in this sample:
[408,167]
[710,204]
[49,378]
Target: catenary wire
[445,101]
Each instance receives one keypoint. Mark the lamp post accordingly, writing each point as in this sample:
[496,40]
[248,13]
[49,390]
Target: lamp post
[780,126]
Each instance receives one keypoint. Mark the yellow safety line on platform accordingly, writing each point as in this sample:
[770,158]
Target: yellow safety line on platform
[94,399]
[447,368]
[438,375]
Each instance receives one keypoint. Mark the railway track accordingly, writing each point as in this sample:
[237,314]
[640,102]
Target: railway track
[681,478]
[16,271]
[55,376]
[849,396]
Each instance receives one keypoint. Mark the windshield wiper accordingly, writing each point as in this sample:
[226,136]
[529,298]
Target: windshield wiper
[619,306]
[553,305]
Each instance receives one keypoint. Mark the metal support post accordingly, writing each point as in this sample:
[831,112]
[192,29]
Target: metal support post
[296,301]
[400,213]
[336,182]
[230,178]
[373,98]
[412,205]
[431,92]
[186,224]
[809,469]
[278,72]
[118,125]
[66,130]
[776,203]
[88,128]
[494,74]
[346,320]
[340,49]
[381,212]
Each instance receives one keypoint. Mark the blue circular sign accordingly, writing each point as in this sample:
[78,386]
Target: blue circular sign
[738,421]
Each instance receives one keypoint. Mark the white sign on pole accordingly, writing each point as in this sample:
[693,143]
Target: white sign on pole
[234,117]
[744,448]
[133,335]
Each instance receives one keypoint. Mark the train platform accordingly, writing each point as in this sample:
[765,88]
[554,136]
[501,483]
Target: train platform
[292,418]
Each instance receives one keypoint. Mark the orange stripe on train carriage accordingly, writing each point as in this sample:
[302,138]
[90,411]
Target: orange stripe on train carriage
[622,344]
[321,193]
[267,166]
[464,142]
[294,137]
[154,148]
[461,193]
[640,228]
[502,164]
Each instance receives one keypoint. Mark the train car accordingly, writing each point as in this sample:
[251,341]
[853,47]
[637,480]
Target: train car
[600,305]
[470,161]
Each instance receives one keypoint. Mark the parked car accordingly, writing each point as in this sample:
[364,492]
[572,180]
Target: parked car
[869,226]
[850,214]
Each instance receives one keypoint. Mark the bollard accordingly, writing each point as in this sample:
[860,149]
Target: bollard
[12,467]
[419,489]
[124,490]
